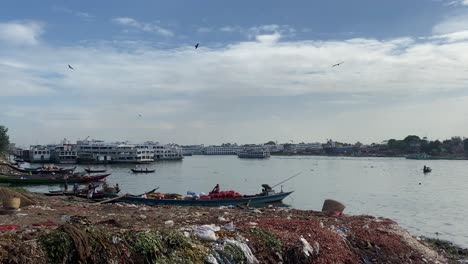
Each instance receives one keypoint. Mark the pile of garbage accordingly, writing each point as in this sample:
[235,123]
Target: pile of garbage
[71,230]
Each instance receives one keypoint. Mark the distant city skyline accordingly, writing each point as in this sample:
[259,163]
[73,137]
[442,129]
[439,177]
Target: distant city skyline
[119,70]
[73,141]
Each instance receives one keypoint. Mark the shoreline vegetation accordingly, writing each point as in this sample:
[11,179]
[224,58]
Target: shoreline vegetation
[72,230]
[411,147]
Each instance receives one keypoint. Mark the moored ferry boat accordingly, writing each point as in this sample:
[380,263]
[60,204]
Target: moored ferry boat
[254,153]
[165,152]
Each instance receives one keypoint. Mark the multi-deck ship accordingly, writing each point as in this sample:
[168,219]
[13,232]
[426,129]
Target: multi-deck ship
[254,152]
[97,151]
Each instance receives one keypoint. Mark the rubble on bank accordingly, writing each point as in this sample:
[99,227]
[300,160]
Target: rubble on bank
[72,230]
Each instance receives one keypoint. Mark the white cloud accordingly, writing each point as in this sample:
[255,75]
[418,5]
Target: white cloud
[269,39]
[451,24]
[22,33]
[457,3]
[253,32]
[452,37]
[183,91]
[231,29]
[83,15]
[146,27]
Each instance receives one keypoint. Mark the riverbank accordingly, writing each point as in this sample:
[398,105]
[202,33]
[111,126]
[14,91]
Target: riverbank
[66,229]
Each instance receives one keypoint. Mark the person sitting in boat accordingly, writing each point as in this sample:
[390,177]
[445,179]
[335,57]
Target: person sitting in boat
[215,189]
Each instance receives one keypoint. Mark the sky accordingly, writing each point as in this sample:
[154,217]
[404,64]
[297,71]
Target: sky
[262,71]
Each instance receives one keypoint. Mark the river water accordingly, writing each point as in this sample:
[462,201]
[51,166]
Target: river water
[390,187]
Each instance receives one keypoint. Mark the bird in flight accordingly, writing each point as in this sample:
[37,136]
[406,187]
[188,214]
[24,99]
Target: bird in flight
[196,46]
[140,115]
[338,64]
[70,67]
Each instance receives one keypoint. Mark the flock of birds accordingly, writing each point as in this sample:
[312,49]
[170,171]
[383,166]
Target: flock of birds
[196,47]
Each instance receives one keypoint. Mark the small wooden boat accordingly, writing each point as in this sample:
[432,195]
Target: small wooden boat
[94,171]
[254,199]
[426,169]
[41,170]
[49,179]
[143,171]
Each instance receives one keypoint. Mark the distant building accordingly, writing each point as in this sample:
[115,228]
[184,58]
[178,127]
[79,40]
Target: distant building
[275,148]
[64,153]
[193,149]
[308,147]
[222,150]
[39,154]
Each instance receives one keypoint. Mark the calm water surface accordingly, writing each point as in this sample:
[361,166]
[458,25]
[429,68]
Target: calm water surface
[386,187]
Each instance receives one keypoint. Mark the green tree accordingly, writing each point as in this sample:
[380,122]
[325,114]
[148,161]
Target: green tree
[411,138]
[270,143]
[4,139]
[431,147]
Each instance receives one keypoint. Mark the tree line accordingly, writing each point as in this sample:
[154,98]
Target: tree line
[4,139]
[415,144]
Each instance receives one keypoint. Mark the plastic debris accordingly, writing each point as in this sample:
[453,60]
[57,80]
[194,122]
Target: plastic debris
[45,208]
[316,247]
[253,223]
[229,226]
[116,240]
[143,217]
[250,258]
[221,218]
[308,250]
[257,211]
[169,223]
[207,232]
[64,218]
[210,259]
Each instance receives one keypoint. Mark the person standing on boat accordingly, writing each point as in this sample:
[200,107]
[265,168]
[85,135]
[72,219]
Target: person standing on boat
[75,188]
[90,191]
[66,182]
[215,189]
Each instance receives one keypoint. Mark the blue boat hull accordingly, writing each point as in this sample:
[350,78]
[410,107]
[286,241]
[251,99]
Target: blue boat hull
[216,202]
